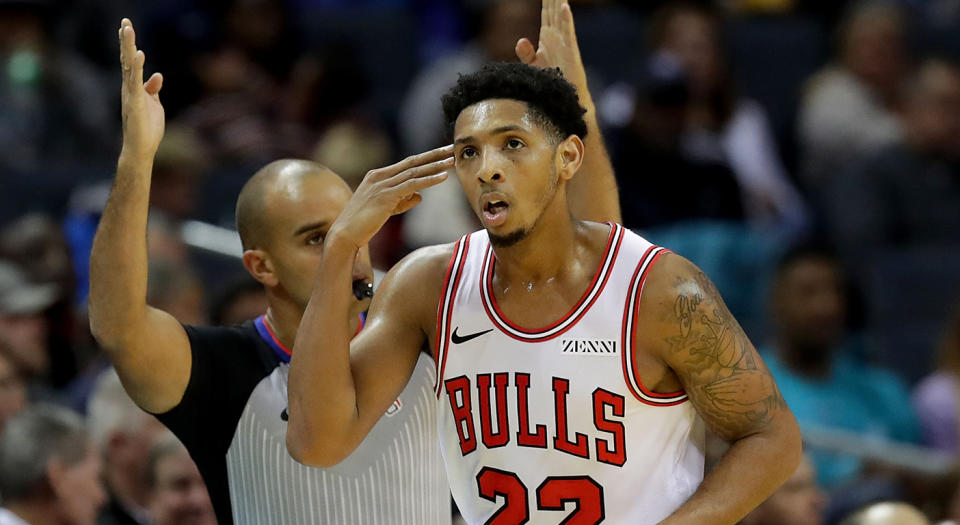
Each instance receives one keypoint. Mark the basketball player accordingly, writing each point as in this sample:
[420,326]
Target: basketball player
[577,363]
[223,390]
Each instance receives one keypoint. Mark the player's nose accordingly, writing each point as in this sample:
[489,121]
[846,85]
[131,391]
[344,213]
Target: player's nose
[491,169]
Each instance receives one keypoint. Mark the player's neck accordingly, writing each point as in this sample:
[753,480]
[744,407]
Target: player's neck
[544,253]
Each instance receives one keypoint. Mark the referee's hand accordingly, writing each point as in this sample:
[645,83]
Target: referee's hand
[143,118]
[557,44]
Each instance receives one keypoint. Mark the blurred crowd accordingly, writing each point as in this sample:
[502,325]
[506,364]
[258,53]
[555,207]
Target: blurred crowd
[806,155]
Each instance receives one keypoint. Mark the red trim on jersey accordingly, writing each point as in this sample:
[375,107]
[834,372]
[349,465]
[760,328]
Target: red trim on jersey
[363,321]
[627,354]
[274,337]
[443,318]
[595,289]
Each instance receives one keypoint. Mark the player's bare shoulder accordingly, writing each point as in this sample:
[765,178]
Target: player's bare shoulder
[416,283]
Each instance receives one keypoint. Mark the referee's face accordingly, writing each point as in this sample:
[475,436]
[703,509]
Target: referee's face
[300,213]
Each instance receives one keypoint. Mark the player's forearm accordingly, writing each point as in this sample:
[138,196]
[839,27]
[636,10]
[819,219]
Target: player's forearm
[321,391]
[118,261]
[750,470]
[594,194]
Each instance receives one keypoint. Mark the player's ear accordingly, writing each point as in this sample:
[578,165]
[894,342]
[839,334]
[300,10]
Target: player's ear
[259,265]
[569,156]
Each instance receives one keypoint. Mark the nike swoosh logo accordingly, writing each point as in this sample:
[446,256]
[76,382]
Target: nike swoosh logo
[457,339]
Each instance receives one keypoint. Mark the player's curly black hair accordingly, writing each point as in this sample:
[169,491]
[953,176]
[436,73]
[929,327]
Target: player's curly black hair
[552,100]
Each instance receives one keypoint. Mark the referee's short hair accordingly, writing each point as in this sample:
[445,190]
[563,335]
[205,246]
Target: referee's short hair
[31,440]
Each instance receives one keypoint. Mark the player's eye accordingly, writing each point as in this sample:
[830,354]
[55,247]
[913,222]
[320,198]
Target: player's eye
[468,152]
[514,144]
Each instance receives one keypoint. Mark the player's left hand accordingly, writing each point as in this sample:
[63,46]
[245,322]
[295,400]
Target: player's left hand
[557,43]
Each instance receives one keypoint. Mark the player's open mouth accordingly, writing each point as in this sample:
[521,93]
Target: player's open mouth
[495,211]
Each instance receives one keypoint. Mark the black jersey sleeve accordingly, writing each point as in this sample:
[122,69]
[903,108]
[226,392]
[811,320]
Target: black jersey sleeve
[227,364]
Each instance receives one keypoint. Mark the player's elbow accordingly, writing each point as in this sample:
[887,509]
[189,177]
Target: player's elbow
[310,451]
[793,444]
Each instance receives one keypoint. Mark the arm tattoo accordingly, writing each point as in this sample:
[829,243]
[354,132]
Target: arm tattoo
[731,388]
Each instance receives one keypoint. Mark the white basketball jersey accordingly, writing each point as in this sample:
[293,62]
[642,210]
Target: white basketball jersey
[553,425]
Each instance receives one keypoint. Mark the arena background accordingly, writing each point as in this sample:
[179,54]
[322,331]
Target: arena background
[741,130]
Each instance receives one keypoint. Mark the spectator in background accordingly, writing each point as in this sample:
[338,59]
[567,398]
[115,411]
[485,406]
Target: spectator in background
[241,67]
[906,194]
[444,215]
[503,22]
[351,148]
[660,182]
[172,286]
[887,513]
[23,327]
[850,107]
[178,495]
[822,383]
[37,244]
[53,105]
[721,124]
[179,167]
[123,434]
[799,501]
[49,470]
[13,392]
[936,398]
[241,299]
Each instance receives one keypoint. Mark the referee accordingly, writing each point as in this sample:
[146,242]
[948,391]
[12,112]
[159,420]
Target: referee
[223,391]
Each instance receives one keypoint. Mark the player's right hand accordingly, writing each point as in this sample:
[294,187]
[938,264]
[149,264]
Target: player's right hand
[143,118]
[389,191]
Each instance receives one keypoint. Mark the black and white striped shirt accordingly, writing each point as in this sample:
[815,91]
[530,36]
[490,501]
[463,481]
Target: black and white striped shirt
[233,421]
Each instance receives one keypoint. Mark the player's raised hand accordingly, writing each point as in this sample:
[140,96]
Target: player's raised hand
[143,118]
[389,191]
[557,43]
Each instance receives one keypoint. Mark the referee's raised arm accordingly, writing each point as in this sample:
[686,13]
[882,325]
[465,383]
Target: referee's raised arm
[148,347]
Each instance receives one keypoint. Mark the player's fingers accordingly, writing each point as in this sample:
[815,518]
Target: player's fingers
[544,14]
[525,51]
[413,161]
[421,183]
[408,203]
[422,171]
[154,84]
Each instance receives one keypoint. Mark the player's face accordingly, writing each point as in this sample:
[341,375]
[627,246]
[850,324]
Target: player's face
[302,213]
[506,163]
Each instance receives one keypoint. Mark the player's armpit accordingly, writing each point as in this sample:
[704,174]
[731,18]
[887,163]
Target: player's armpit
[689,328]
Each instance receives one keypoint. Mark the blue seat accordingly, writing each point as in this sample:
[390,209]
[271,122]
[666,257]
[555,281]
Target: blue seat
[910,295]
[737,259]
